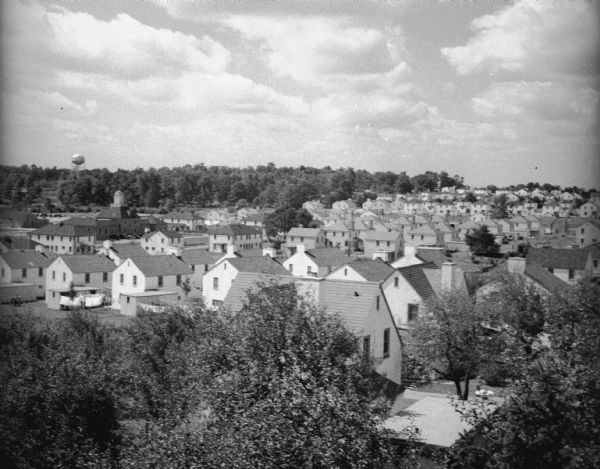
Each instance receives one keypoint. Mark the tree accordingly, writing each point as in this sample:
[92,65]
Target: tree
[470,197]
[448,339]
[481,241]
[551,419]
[285,218]
[499,207]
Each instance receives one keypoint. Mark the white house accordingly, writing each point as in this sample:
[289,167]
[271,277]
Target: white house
[149,273]
[161,242]
[314,262]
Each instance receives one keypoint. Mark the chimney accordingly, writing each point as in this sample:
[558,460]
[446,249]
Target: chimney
[300,248]
[516,265]
[410,252]
[230,250]
[107,244]
[448,276]
[176,251]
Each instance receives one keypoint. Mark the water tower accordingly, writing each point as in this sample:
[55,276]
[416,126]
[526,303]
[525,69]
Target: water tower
[77,163]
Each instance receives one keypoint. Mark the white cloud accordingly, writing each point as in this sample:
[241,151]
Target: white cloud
[538,101]
[531,36]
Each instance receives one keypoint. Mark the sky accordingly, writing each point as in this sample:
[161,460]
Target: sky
[497,92]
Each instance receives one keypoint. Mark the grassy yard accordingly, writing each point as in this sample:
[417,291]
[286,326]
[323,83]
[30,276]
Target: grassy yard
[39,308]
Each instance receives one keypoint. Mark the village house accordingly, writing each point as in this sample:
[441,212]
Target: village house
[423,236]
[65,239]
[130,225]
[313,205]
[588,233]
[363,309]
[339,235]
[118,251]
[80,273]
[217,281]
[382,244]
[569,265]
[588,209]
[18,243]
[536,275]
[343,206]
[166,273]
[311,238]
[102,228]
[186,220]
[161,242]
[314,262]
[201,261]
[255,219]
[413,206]
[240,236]
[25,267]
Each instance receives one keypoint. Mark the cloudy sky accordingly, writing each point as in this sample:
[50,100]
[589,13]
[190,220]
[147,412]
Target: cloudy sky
[495,91]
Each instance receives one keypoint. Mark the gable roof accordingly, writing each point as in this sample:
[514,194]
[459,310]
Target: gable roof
[307,232]
[181,216]
[350,301]
[114,212]
[572,259]
[325,257]
[381,236]
[167,233]
[424,230]
[435,256]
[64,230]
[25,259]
[18,242]
[250,282]
[234,230]
[372,270]
[541,276]
[198,256]
[264,265]
[86,263]
[417,279]
[125,250]
[152,266]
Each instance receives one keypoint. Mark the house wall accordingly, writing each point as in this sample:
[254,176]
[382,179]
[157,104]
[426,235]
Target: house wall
[27,292]
[225,273]
[58,277]
[587,234]
[371,246]
[219,242]
[301,262]
[377,321]
[346,273]
[400,297]
[66,244]
[128,269]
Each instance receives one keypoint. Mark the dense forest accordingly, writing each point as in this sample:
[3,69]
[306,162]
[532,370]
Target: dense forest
[209,186]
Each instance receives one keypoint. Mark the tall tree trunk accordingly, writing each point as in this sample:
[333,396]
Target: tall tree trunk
[466,393]
[458,389]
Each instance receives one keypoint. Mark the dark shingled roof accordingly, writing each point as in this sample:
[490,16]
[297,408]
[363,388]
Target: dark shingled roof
[64,230]
[18,242]
[89,221]
[325,257]
[167,233]
[435,256]
[152,266]
[307,232]
[26,259]
[250,282]
[417,279]
[234,230]
[372,270]
[351,301]
[550,258]
[125,251]
[545,279]
[114,212]
[200,256]
[264,265]
[79,264]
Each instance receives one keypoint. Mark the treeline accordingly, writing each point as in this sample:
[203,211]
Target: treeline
[205,186]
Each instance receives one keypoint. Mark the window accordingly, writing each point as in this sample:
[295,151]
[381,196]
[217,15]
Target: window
[309,270]
[215,283]
[24,273]
[206,268]
[40,271]
[396,282]
[376,243]
[571,274]
[160,281]
[53,275]
[291,268]
[121,279]
[128,300]
[105,276]
[87,277]
[413,312]
[345,272]
[386,342]
[193,267]
[595,264]
[366,347]
[178,280]
[64,277]
[135,280]
[377,302]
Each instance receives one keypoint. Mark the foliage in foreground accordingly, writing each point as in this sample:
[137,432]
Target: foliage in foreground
[279,385]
